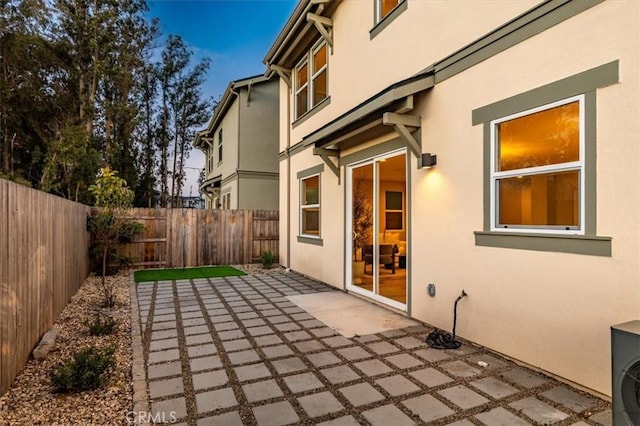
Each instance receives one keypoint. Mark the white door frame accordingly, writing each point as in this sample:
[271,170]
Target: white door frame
[349,286]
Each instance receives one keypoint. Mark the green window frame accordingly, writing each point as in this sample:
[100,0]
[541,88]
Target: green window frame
[584,86]
[310,205]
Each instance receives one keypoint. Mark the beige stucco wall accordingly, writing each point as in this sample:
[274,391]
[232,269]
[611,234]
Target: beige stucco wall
[326,262]
[360,67]
[550,310]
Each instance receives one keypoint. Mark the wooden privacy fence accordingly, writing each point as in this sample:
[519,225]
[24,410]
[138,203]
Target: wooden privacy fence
[43,262]
[195,237]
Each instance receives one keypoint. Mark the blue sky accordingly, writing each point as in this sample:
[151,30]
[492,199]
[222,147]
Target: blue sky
[234,34]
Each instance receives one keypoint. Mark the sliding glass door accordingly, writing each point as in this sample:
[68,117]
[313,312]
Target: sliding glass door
[377,226]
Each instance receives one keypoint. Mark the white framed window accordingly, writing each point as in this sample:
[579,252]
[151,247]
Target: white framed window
[310,206]
[537,169]
[384,7]
[210,159]
[226,201]
[310,79]
[220,146]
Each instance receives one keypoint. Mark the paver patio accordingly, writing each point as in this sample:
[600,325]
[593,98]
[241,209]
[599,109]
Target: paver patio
[236,350]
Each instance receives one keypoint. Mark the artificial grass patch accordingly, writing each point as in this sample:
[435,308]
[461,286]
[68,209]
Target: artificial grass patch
[186,273]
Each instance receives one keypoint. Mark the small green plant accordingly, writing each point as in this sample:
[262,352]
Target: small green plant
[268,258]
[102,325]
[86,371]
[109,225]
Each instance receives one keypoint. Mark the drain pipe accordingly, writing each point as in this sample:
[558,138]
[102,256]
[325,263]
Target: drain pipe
[439,339]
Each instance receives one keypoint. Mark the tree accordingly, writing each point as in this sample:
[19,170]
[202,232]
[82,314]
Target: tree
[182,110]
[146,136]
[108,226]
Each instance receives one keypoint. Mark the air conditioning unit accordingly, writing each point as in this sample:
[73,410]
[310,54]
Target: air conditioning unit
[625,371]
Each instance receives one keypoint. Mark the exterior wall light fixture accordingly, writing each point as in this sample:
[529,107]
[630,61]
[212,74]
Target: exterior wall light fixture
[428,160]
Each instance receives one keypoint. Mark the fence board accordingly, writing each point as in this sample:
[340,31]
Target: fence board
[43,262]
[195,237]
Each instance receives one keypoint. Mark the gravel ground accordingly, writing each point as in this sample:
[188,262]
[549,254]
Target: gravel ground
[31,400]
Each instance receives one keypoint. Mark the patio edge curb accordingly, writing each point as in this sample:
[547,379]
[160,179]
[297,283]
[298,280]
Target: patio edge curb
[138,374]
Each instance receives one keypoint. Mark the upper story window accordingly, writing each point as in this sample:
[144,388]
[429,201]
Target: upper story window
[310,206]
[311,79]
[220,146]
[537,170]
[384,7]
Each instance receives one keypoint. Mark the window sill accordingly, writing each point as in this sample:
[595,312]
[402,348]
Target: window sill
[384,22]
[576,244]
[323,103]
[316,241]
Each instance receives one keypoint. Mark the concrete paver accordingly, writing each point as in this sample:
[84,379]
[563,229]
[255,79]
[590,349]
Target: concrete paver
[539,411]
[166,387]
[210,379]
[224,351]
[430,377]
[278,413]
[463,397]
[260,391]
[570,399]
[397,385]
[361,394]
[501,417]
[493,387]
[427,408]
[319,404]
[212,400]
[388,415]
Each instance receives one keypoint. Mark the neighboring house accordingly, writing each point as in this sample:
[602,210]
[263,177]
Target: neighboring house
[531,207]
[241,147]
[192,202]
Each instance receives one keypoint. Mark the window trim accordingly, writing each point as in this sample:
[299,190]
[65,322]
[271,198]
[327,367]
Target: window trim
[301,175]
[380,24]
[308,59]
[219,146]
[586,82]
[304,207]
[562,167]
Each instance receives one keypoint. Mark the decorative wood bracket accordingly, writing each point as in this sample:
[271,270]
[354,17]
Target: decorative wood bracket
[400,122]
[323,24]
[325,154]
[209,141]
[283,73]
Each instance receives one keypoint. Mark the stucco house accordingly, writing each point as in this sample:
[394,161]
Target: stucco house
[489,146]
[240,145]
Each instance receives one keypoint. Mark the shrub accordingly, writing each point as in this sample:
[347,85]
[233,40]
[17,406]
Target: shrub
[109,225]
[268,258]
[102,325]
[86,371]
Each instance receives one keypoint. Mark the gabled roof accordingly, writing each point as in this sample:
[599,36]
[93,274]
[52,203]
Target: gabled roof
[225,103]
[298,33]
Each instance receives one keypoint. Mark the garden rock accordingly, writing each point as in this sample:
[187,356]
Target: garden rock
[46,344]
